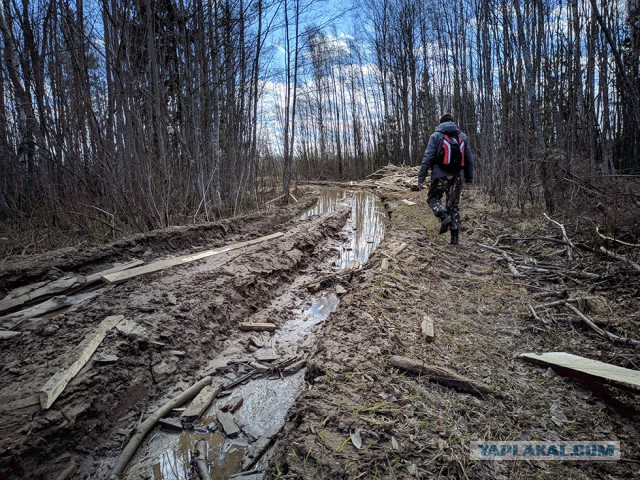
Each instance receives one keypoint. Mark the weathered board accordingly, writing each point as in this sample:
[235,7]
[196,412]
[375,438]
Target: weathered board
[95,277]
[427,328]
[51,305]
[603,372]
[228,424]
[200,404]
[56,384]
[171,262]
[8,334]
[42,290]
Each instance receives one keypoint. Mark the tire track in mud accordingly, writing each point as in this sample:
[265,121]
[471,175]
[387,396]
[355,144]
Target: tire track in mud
[177,320]
[18,270]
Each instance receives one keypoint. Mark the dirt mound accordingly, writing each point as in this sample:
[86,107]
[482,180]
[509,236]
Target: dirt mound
[17,270]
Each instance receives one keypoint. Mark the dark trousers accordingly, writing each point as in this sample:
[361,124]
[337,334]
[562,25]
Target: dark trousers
[450,186]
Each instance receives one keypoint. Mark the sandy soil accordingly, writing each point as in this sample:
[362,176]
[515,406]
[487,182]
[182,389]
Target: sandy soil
[411,426]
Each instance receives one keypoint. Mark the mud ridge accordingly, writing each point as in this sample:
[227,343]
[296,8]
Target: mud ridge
[168,338]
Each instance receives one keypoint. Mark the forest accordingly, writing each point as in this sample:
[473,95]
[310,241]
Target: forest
[121,116]
[216,260]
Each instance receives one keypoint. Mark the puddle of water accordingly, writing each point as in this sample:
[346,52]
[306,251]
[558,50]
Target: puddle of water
[364,229]
[174,461]
[265,404]
[266,401]
[301,326]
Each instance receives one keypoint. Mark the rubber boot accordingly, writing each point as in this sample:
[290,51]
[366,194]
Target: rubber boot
[445,221]
[454,237]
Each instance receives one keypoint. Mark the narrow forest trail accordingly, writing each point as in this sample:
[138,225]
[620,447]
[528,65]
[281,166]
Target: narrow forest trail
[184,323]
[411,427]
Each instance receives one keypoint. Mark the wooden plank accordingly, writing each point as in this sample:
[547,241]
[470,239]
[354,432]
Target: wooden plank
[171,262]
[95,277]
[51,305]
[603,372]
[56,384]
[427,328]
[228,424]
[8,334]
[200,404]
[57,286]
[257,327]
[232,404]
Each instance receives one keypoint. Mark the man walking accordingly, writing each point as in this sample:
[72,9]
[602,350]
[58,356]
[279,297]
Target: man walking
[448,156]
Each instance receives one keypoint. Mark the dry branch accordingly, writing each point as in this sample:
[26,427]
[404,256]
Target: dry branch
[441,375]
[145,427]
[603,333]
[615,240]
[564,235]
[620,258]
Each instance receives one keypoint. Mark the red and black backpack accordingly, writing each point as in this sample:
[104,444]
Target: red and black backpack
[451,154]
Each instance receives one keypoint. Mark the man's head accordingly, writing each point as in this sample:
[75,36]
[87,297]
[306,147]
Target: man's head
[446,117]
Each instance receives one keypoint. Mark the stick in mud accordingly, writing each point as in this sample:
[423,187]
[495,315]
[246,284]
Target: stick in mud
[199,459]
[441,375]
[145,427]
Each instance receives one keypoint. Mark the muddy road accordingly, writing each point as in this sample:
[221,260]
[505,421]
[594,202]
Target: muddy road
[176,326]
[297,334]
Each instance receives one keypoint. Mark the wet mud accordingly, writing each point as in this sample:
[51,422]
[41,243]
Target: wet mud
[180,324]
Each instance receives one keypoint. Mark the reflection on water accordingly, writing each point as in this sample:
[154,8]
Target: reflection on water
[169,456]
[365,228]
[266,401]
[301,326]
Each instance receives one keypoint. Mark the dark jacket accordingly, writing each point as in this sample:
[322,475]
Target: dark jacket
[429,158]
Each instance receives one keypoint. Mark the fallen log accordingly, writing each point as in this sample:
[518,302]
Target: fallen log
[441,375]
[171,262]
[199,459]
[621,258]
[56,384]
[145,427]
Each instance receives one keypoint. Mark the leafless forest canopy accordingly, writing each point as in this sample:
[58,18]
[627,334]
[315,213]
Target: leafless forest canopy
[127,115]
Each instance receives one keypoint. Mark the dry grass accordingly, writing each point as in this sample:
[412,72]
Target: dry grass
[414,428]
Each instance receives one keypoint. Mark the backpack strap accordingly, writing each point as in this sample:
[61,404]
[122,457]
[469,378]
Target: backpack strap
[462,145]
[446,146]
